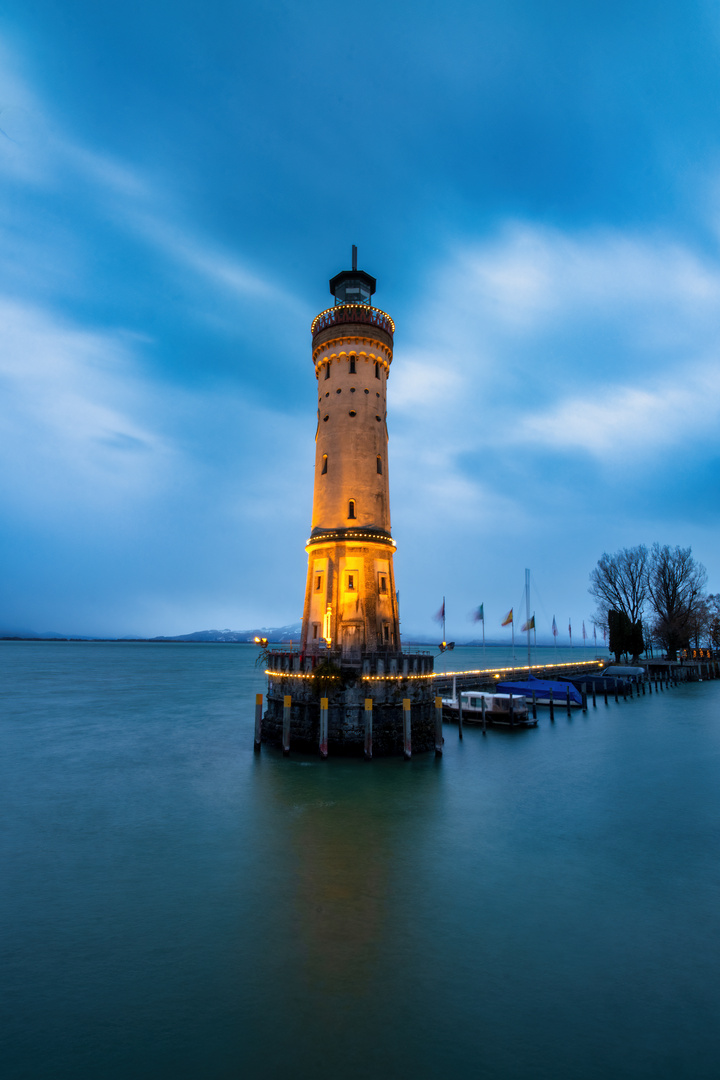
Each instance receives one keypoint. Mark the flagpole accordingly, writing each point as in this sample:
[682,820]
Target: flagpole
[527,613]
[443,620]
[483,622]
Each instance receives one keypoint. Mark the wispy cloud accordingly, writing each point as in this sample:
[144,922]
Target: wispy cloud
[75,426]
[616,421]
[38,152]
[597,341]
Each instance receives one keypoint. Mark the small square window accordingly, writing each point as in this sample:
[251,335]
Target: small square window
[383,583]
[351,581]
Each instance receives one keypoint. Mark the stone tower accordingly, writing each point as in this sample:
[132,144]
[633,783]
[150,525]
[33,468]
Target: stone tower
[350,601]
[349,688]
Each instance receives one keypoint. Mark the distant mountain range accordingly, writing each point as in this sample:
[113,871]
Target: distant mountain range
[279,635]
[276,635]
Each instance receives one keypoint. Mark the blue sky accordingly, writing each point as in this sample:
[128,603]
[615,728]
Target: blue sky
[536,188]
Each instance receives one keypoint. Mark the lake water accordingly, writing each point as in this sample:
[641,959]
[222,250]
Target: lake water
[536,904]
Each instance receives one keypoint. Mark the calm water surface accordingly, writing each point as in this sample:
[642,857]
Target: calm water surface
[541,903]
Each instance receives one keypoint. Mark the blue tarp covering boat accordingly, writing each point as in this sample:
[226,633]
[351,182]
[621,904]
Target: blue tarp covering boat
[543,689]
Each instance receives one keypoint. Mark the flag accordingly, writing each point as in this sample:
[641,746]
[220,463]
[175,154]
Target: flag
[529,625]
[555,629]
[508,618]
[441,613]
[584,634]
[479,614]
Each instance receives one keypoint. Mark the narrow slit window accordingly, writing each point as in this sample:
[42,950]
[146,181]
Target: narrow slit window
[351,508]
[352,365]
[383,583]
[324,467]
[351,582]
[318,583]
[377,369]
[386,632]
[315,630]
[379,465]
[327,370]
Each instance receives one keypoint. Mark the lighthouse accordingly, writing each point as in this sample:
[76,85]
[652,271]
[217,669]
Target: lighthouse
[350,688]
[350,599]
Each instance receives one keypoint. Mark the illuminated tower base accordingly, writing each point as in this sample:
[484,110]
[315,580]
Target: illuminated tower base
[350,653]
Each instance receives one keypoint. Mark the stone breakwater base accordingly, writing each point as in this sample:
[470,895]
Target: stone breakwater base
[400,691]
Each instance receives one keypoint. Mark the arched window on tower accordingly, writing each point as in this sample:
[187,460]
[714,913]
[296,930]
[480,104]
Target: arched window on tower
[351,508]
[379,465]
[327,370]
[377,369]
[352,365]
[324,467]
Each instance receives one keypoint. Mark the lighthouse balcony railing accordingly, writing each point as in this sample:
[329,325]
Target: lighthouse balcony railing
[353,313]
[383,662]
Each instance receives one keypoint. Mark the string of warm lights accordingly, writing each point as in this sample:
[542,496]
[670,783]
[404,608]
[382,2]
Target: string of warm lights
[503,670]
[321,355]
[340,535]
[411,676]
[298,675]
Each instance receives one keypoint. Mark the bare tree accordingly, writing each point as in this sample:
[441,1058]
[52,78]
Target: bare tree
[619,583]
[676,584]
[713,632]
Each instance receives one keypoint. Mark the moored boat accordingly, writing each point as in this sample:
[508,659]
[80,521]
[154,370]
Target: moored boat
[501,709]
[544,690]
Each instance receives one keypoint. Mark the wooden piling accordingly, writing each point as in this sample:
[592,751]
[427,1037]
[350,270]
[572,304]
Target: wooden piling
[459,701]
[482,699]
[605,691]
[323,746]
[568,700]
[258,723]
[438,727]
[287,702]
[583,691]
[593,693]
[407,730]
[552,707]
[617,697]
[368,728]
[534,705]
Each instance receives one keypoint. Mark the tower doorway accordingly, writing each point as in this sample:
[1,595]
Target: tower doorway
[352,641]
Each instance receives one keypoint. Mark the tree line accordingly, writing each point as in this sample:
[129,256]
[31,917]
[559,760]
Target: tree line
[654,597]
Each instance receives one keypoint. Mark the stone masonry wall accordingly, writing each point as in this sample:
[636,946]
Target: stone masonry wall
[346,714]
